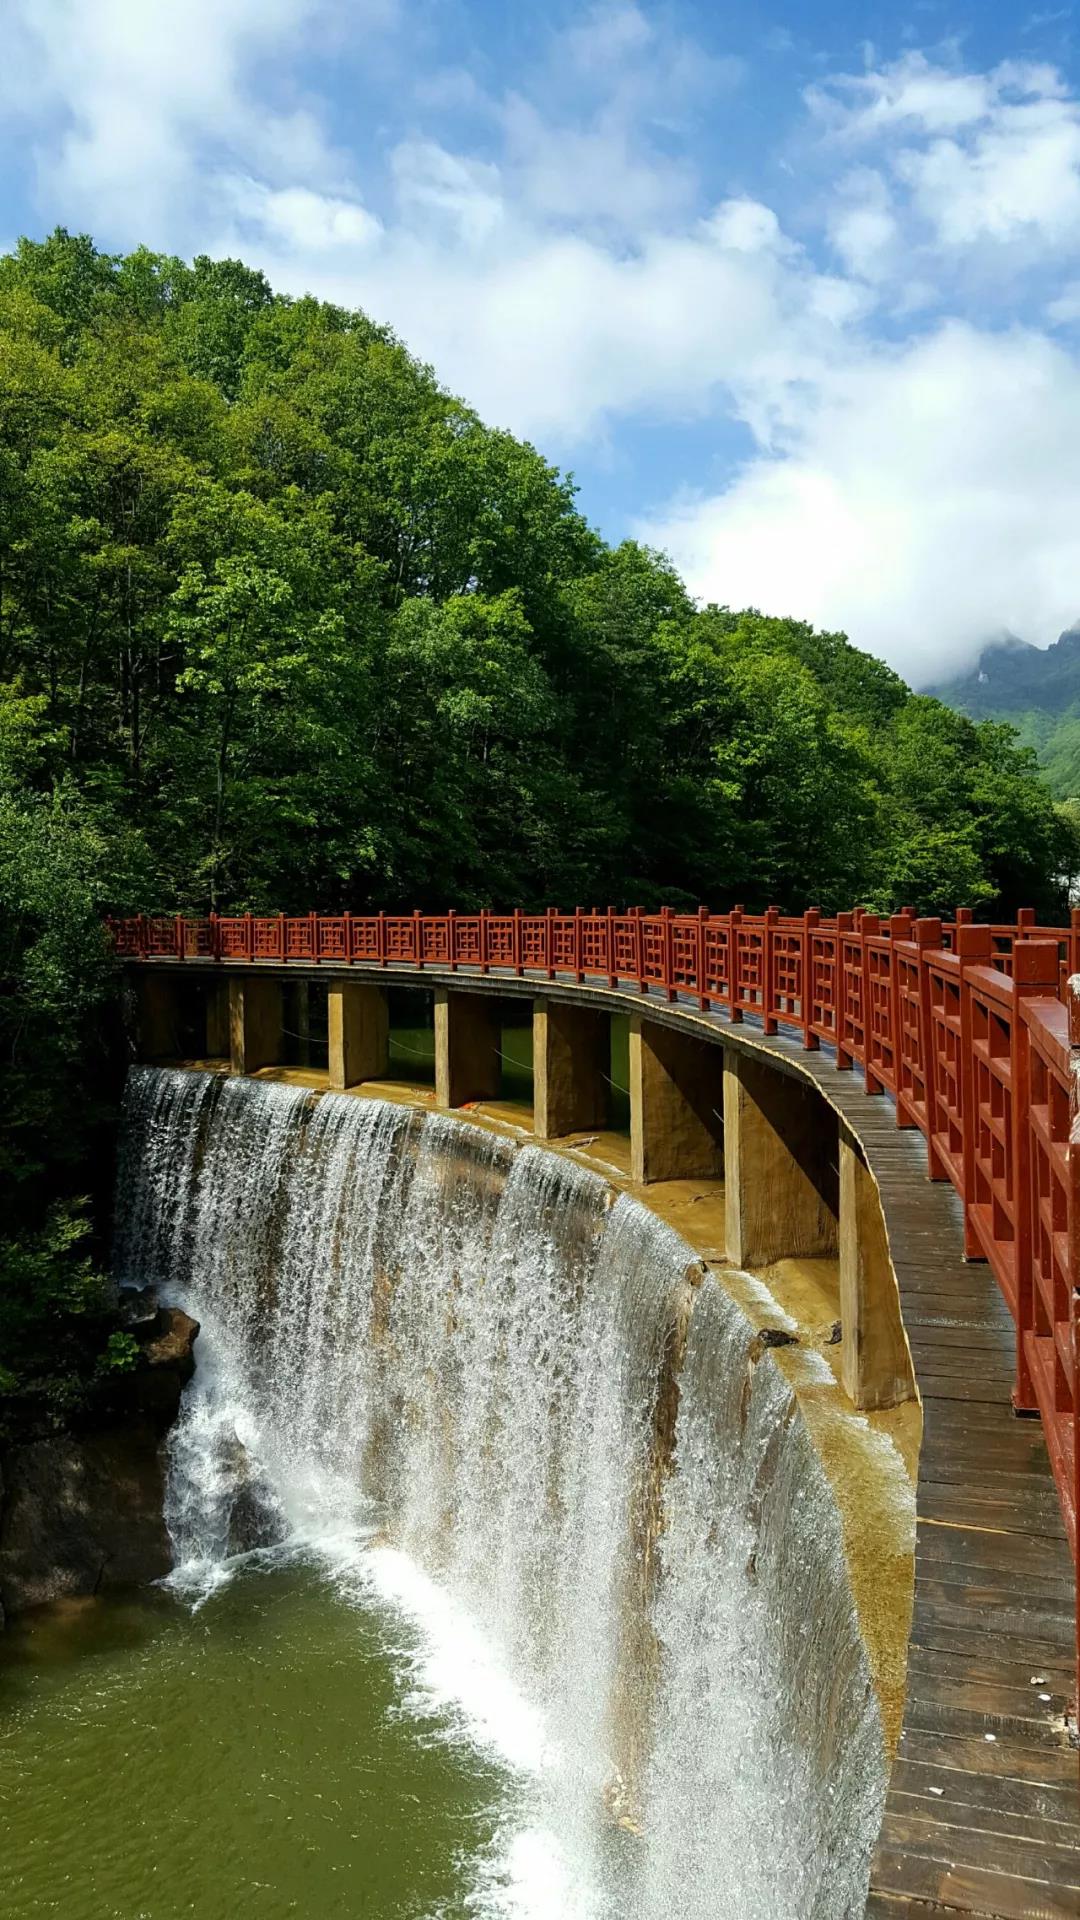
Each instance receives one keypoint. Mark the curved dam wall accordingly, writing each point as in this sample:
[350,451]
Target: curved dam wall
[528,1386]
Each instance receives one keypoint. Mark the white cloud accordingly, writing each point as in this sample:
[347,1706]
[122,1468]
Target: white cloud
[595,172]
[911,94]
[746,226]
[131,93]
[923,498]
[300,219]
[609,34]
[1019,178]
[990,158]
[461,198]
[862,226]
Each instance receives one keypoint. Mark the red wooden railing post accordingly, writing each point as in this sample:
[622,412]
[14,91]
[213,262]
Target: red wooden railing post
[702,964]
[612,971]
[418,938]
[517,940]
[974,947]
[768,970]
[669,962]
[639,951]
[869,929]
[734,985]
[811,919]
[845,923]
[579,974]
[215,937]
[451,939]
[249,936]
[380,937]
[347,937]
[178,935]
[1073,942]
[927,935]
[549,941]
[1035,973]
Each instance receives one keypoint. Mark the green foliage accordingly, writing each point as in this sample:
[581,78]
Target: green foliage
[120,1354]
[283,624]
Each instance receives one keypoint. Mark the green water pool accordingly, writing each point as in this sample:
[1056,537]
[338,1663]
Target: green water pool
[266,1754]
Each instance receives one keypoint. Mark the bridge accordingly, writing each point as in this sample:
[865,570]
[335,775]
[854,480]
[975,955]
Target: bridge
[899,1095]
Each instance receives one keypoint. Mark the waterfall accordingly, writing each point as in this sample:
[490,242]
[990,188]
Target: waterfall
[470,1358]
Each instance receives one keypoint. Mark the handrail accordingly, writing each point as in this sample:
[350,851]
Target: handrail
[973,1031]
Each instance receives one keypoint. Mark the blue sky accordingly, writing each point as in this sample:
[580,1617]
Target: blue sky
[795,293]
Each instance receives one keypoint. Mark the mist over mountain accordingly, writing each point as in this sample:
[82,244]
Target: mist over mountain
[1036,689]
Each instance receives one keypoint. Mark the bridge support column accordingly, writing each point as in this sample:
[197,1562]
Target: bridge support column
[159,1017]
[255,1023]
[571,1055]
[468,1040]
[676,1124]
[217,1020]
[875,1360]
[358,1034]
[781,1182]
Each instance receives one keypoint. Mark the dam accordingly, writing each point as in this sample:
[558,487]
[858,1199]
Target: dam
[630,1399]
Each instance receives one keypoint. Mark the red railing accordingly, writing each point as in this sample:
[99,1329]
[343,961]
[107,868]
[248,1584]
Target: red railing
[965,1026]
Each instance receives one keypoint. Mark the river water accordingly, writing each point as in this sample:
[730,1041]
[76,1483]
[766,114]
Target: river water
[548,1618]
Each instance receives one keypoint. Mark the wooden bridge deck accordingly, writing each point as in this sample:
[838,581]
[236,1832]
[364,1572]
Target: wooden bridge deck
[983,1811]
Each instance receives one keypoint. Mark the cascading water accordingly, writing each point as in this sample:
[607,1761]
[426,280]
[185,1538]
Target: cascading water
[426,1348]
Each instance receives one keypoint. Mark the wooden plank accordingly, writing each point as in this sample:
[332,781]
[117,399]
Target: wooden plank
[967,1889]
[956,1844]
[1008,1554]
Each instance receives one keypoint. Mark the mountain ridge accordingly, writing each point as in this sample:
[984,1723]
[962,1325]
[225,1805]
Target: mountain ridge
[1034,689]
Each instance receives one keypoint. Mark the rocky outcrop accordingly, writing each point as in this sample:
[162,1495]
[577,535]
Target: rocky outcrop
[256,1518]
[166,1364]
[81,1512]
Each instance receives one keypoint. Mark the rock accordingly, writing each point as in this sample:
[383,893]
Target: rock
[166,1364]
[82,1513]
[251,1510]
[138,1311]
[256,1519]
[777,1337]
[174,1345]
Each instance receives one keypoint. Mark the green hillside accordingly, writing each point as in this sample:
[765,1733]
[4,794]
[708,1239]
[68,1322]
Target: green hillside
[1037,691]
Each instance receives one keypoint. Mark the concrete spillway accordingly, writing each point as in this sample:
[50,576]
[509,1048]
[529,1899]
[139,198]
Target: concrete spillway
[474,1359]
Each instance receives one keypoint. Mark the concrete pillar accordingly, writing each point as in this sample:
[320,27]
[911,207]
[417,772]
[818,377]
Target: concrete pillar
[875,1360]
[358,1034]
[781,1177]
[468,1039]
[571,1059]
[303,1023]
[676,1104]
[217,1020]
[255,1024]
[159,1016]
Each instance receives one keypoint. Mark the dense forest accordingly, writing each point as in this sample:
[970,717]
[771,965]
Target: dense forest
[283,624]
